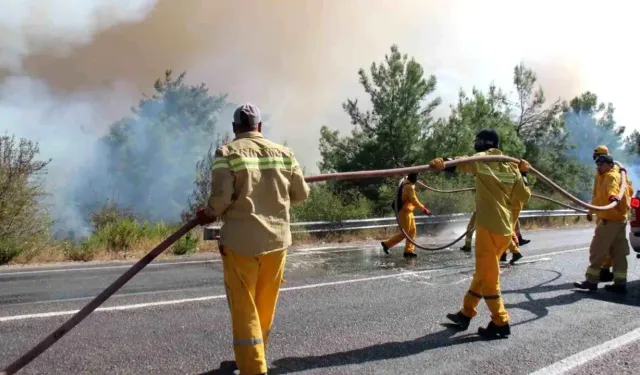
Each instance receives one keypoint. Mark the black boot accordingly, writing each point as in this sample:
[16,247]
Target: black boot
[616,288]
[522,241]
[503,258]
[409,255]
[493,331]
[466,248]
[586,285]
[385,248]
[461,320]
[515,257]
[606,275]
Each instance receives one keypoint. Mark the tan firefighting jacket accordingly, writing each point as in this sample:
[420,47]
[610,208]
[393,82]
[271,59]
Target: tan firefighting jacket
[254,183]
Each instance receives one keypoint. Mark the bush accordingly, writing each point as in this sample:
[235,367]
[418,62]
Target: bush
[117,236]
[324,205]
[8,251]
[186,245]
[78,251]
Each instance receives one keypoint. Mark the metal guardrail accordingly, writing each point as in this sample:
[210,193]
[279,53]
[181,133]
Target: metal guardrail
[212,231]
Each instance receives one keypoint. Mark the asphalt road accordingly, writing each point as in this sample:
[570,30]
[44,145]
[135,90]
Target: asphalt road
[343,310]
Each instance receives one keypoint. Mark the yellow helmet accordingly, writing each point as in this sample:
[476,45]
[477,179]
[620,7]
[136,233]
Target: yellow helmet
[600,150]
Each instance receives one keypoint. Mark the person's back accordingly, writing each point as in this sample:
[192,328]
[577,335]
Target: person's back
[266,181]
[253,183]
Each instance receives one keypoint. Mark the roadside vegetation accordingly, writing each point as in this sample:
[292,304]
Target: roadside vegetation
[167,140]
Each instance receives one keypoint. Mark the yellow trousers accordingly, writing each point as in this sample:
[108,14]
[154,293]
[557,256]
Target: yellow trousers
[408,223]
[486,278]
[609,240]
[252,284]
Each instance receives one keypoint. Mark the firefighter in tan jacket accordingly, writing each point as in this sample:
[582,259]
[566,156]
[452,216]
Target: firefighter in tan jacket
[610,238]
[254,183]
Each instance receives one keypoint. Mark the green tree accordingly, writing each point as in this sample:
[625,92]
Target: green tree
[146,159]
[23,218]
[454,136]
[542,130]
[389,135]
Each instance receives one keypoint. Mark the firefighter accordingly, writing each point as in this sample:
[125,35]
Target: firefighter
[498,185]
[254,182]
[605,271]
[610,237]
[407,201]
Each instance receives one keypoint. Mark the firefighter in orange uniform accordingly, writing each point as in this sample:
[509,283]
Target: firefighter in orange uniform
[407,202]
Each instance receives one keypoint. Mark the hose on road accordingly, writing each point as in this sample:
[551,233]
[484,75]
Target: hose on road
[138,266]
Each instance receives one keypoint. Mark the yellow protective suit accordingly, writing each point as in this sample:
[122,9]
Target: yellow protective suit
[609,238]
[604,150]
[252,284]
[498,185]
[407,220]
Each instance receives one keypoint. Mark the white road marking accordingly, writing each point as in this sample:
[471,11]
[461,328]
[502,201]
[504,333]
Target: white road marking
[293,253]
[583,357]
[206,298]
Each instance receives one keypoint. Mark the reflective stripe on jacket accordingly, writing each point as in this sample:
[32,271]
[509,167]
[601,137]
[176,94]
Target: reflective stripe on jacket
[254,182]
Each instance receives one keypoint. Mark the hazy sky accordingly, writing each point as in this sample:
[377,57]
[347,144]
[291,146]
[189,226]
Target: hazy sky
[88,61]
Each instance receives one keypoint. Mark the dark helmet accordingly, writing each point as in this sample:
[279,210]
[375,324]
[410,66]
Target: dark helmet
[412,177]
[487,139]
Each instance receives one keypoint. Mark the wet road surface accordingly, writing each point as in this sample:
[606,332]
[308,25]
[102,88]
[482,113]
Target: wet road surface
[344,309]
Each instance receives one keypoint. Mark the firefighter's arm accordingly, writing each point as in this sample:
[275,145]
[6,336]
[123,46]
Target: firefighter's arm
[222,179]
[413,198]
[299,189]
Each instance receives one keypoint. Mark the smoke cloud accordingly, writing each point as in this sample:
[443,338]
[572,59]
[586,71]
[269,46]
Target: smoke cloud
[68,70]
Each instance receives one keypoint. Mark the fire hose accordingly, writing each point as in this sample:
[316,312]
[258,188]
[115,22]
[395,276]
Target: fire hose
[48,341]
[463,190]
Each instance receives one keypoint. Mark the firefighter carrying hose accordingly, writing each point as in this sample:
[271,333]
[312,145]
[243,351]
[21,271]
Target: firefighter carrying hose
[254,182]
[605,271]
[498,186]
[406,202]
[610,237]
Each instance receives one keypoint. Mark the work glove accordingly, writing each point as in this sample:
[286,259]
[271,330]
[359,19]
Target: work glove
[426,211]
[613,198]
[524,166]
[437,163]
[203,219]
